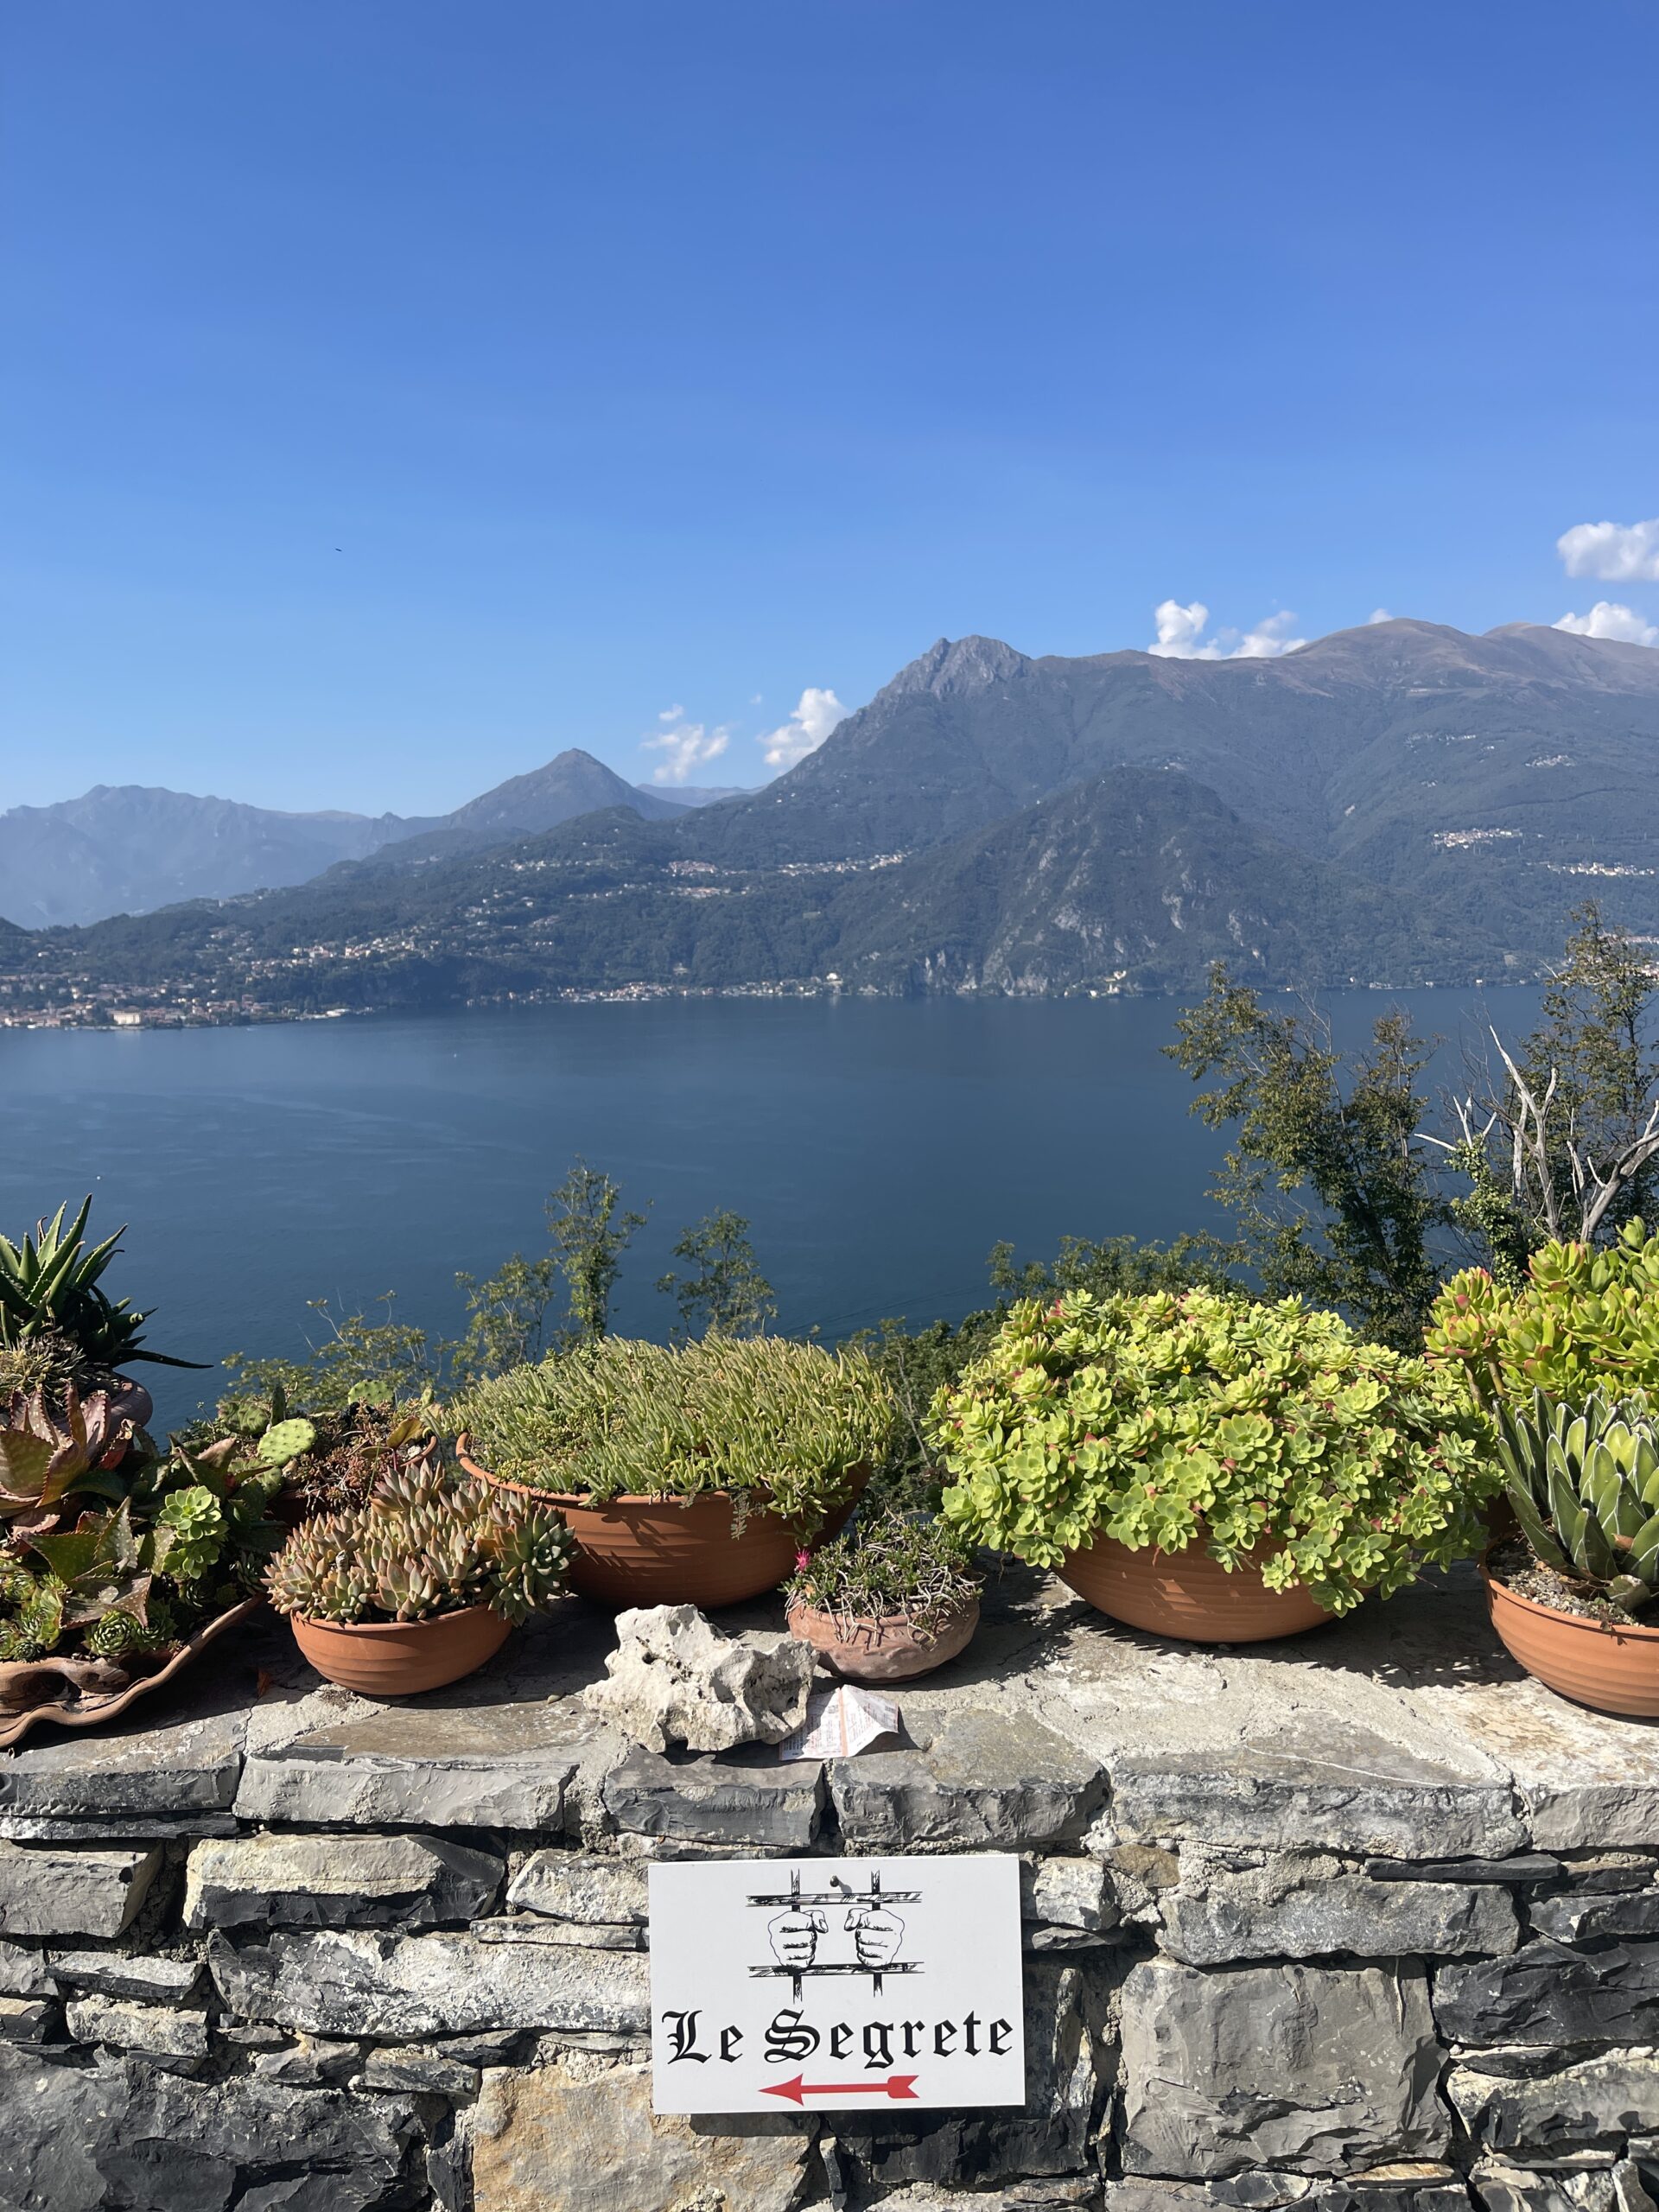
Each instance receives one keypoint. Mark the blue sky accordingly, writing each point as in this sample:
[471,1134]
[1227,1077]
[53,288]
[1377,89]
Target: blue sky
[396,392]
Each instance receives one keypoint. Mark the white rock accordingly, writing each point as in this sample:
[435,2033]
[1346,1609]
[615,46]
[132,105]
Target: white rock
[675,1678]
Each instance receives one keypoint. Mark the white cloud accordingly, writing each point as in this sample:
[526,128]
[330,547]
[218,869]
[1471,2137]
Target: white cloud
[1618,552]
[1180,629]
[805,730]
[686,746]
[1378,614]
[1607,619]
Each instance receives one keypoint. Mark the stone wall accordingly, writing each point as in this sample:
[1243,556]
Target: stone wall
[1295,1933]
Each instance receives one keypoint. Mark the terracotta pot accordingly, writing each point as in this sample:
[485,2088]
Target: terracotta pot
[1603,1665]
[1189,1594]
[888,1650]
[398,1658]
[652,1551]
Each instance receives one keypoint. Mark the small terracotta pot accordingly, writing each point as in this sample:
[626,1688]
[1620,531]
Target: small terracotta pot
[654,1551]
[1603,1665]
[888,1650]
[1188,1594]
[398,1658]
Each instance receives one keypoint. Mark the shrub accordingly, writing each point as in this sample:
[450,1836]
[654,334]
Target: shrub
[777,1420]
[907,1566]
[1583,1319]
[1167,1419]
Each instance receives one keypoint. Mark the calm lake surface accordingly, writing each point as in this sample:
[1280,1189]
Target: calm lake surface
[879,1147]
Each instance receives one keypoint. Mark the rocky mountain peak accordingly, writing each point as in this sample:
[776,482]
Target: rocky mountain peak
[949,669]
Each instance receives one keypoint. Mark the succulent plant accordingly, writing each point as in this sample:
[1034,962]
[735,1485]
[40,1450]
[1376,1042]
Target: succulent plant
[101,1565]
[426,1544]
[51,1448]
[49,1283]
[119,1636]
[285,1441]
[1208,1419]
[764,1418]
[46,1361]
[1584,1482]
[912,1565]
[1585,1318]
[531,1548]
[196,1529]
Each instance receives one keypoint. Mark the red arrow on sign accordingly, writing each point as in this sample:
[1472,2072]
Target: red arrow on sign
[798,2091]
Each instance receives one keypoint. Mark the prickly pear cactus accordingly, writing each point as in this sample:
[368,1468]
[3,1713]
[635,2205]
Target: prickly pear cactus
[285,1441]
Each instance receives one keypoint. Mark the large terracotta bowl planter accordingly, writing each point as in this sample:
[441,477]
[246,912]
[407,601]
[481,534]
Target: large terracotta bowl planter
[398,1658]
[654,1551]
[1605,1664]
[1188,1594]
[890,1650]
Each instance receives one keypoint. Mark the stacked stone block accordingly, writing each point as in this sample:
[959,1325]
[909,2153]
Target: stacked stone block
[241,1971]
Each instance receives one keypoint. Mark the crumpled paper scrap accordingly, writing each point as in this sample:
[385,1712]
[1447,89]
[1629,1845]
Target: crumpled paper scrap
[840,1723]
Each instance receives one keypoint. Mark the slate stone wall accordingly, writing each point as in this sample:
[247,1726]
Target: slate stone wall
[238,1981]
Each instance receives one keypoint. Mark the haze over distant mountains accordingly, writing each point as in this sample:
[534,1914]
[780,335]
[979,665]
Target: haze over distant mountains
[1400,802]
[129,849]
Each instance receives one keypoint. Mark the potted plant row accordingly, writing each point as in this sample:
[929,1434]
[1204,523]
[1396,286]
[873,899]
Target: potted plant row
[421,1585]
[689,1475]
[894,1597]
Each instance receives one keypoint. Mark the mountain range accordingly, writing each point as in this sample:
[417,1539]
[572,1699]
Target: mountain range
[130,849]
[1395,804]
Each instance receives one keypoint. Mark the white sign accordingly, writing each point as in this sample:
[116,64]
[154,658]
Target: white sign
[868,1984]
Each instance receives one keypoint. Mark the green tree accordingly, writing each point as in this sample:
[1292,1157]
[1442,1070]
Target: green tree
[506,1317]
[589,1237]
[1114,1264]
[1334,1200]
[723,1292]
[357,1359]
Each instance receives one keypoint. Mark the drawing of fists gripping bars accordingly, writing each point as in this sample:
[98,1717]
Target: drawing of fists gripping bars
[804,1925]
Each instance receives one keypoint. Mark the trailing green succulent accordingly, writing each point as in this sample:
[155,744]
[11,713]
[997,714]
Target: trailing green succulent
[1584,1482]
[1585,1319]
[1208,1418]
[763,1417]
[906,1565]
[428,1542]
[56,1448]
[49,1287]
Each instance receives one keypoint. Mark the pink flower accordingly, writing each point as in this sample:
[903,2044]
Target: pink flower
[802,1560]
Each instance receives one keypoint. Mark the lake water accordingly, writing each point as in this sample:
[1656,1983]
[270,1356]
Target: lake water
[879,1148]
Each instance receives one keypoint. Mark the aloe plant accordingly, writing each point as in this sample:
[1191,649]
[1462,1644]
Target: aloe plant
[51,1449]
[1584,1482]
[49,1284]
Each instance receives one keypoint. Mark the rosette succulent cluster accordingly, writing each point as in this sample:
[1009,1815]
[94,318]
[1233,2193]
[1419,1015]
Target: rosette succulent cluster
[1585,1319]
[426,1543]
[1208,1418]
